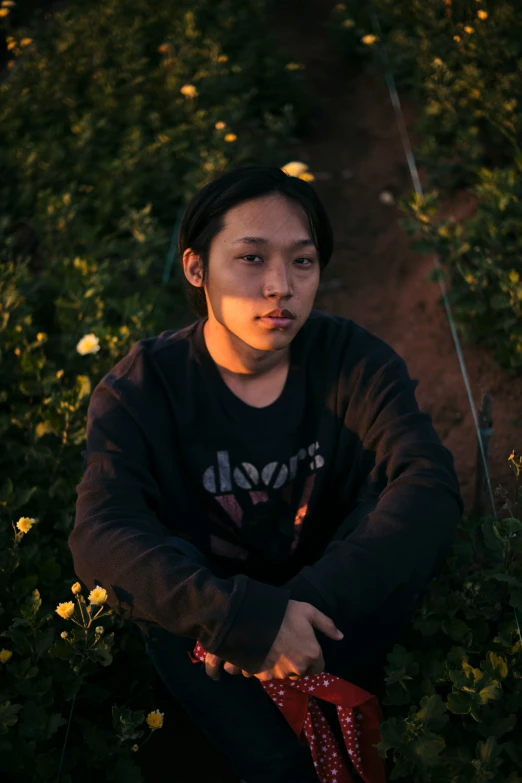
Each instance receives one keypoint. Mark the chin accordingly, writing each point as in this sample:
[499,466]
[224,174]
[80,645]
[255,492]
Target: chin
[272,339]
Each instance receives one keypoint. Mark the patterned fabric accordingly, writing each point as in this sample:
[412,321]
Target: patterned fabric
[359,715]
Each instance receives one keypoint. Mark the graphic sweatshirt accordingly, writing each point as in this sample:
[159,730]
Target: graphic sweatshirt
[171,452]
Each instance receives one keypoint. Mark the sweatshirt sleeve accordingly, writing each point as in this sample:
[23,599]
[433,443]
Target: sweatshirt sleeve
[403,464]
[119,542]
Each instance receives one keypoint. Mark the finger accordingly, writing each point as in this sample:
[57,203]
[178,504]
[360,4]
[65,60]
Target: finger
[212,665]
[246,674]
[231,668]
[325,624]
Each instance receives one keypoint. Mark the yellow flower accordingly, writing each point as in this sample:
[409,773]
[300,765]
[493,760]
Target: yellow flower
[222,58]
[25,524]
[5,655]
[293,66]
[64,634]
[306,176]
[134,748]
[4,11]
[437,62]
[17,351]
[26,41]
[456,38]
[514,276]
[220,125]
[163,48]
[369,39]
[40,336]
[294,168]
[59,374]
[88,344]
[189,90]
[11,45]
[340,7]
[65,610]
[482,14]
[98,596]
[468,29]
[8,3]
[230,137]
[76,588]
[475,93]
[348,23]
[155,720]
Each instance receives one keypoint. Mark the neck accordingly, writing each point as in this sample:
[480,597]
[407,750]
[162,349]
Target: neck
[235,358]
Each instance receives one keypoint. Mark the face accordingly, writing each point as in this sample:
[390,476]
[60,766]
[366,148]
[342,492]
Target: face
[275,268]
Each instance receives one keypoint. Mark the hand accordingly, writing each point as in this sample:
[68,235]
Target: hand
[213,665]
[295,649]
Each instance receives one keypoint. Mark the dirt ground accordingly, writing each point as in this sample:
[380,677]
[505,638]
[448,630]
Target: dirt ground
[384,285]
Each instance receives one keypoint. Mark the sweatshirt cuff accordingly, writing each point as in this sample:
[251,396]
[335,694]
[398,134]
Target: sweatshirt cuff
[255,627]
[301,589]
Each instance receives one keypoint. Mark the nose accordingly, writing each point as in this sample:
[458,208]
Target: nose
[278,281]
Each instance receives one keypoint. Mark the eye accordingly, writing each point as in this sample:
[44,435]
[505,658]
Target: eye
[310,260]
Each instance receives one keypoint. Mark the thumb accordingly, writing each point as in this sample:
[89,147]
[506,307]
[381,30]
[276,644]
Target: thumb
[325,624]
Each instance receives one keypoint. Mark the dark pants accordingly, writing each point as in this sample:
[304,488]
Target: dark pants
[237,715]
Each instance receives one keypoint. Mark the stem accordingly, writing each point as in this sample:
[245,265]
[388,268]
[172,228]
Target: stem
[148,738]
[66,737]
[81,609]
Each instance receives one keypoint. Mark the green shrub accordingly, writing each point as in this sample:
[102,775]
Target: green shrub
[455,688]
[483,258]
[462,66]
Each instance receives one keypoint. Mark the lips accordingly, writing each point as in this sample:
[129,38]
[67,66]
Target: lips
[279,314]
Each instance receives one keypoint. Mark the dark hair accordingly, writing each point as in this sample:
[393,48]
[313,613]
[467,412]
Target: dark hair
[204,216]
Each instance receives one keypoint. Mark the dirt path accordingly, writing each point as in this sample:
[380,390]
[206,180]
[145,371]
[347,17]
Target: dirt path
[385,288]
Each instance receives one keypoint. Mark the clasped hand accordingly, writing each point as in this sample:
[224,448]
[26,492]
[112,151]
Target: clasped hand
[295,650]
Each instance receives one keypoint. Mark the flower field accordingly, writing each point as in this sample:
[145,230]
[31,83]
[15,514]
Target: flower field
[109,119]
[462,63]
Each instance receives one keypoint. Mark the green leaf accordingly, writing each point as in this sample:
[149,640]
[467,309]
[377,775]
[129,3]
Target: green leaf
[433,712]
[488,751]
[459,703]
[391,736]
[31,605]
[61,649]
[495,665]
[426,749]
[490,692]
[456,629]
[8,715]
[6,492]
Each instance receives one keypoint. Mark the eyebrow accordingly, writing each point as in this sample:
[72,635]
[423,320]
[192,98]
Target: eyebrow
[263,241]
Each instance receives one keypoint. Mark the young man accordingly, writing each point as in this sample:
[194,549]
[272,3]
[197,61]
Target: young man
[261,479]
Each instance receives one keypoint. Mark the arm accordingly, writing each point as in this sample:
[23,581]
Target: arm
[404,538]
[119,542]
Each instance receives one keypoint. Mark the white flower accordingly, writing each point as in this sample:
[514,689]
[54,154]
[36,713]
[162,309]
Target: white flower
[88,344]
[386,197]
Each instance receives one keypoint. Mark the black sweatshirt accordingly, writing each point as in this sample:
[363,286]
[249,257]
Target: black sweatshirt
[172,451]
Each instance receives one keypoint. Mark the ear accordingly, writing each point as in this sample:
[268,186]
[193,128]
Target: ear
[193,268]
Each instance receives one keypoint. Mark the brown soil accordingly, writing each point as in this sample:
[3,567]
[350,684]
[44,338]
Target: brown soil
[383,284]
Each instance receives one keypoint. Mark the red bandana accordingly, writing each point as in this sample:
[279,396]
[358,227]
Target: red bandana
[359,715]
